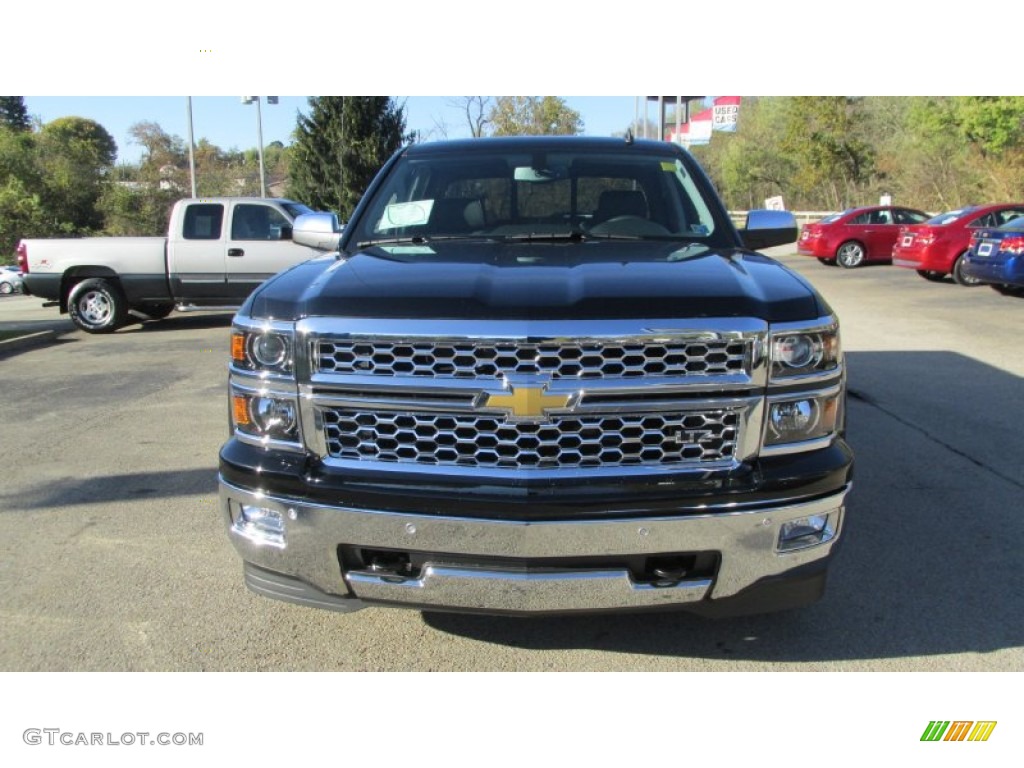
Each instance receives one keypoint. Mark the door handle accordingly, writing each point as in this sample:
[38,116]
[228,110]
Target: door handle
[236,252]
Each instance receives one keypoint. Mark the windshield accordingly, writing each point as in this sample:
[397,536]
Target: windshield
[296,209]
[835,216]
[947,218]
[508,194]
[1015,224]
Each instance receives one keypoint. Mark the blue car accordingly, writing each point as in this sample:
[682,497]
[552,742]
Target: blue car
[997,256]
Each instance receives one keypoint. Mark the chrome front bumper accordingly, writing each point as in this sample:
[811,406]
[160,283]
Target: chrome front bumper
[305,568]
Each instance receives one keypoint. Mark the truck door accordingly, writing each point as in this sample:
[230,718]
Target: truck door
[196,254]
[259,246]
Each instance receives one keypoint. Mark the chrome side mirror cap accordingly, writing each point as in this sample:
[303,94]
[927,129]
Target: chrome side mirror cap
[317,230]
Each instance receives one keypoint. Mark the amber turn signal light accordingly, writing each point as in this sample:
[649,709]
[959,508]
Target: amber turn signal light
[240,408]
[238,347]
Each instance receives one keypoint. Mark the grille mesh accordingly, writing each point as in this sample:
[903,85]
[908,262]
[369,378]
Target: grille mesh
[559,360]
[563,442]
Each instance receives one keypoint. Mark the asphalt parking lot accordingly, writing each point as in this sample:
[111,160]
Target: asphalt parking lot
[113,554]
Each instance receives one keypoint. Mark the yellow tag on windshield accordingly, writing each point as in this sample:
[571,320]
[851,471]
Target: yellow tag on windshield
[669,166]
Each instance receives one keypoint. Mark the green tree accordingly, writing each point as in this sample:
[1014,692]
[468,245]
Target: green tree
[13,113]
[136,208]
[21,185]
[533,115]
[823,137]
[339,148]
[74,155]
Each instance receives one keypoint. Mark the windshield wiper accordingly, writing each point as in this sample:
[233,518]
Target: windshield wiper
[415,240]
[574,236]
[421,239]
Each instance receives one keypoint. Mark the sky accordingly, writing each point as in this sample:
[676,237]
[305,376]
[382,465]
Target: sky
[229,124]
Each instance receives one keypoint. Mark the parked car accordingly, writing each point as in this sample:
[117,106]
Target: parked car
[857,235]
[996,257]
[10,280]
[937,247]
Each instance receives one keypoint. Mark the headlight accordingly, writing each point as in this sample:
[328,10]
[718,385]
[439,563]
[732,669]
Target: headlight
[797,353]
[802,418]
[265,416]
[262,350]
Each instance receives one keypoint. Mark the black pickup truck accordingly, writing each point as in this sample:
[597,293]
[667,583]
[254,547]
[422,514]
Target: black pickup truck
[541,374]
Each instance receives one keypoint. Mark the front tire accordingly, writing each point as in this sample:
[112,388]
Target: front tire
[850,254]
[97,306]
[958,272]
[6,288]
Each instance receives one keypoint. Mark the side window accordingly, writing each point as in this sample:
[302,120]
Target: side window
[203,221]
[253,221]
[909,217]
[864,218]
[881,217]
[988,220]
[1006,216]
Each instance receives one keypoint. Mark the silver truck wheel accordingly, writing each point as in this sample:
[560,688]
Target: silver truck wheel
[97,306]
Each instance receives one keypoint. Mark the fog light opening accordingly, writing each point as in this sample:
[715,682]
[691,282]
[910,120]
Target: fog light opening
[260,525]
[806,532]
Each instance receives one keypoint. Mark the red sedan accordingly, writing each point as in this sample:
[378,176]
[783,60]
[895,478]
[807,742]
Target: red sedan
[857,235]
[937,247]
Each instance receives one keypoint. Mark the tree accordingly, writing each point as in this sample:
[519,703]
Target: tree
[474,109]
[13,113]
[534,115]
[21,185]
[74,155]
[339,148]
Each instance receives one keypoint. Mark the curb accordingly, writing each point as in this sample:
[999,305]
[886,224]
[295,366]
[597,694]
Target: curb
[37,339]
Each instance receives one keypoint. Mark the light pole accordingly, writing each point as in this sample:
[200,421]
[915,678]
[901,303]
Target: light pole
[191,149]
[259,135]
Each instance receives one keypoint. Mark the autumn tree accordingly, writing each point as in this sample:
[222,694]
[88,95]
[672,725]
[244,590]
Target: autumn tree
[533,115]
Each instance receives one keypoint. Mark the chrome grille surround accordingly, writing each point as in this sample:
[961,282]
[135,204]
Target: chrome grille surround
[612,422]
[561,442]
[558,359]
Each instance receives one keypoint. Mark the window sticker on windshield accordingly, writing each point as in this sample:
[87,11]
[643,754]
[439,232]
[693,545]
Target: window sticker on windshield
[699,229]
[668,166]
[408,250]
[412,214]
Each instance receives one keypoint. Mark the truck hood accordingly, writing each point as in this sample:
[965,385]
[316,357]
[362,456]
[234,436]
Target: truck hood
[540,281]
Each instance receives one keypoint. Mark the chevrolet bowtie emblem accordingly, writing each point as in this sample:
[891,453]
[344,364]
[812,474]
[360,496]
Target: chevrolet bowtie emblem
[528,402]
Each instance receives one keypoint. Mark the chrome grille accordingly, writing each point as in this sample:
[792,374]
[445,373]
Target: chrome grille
[578,359]
[563,442]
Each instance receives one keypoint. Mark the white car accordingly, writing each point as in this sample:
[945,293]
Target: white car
[10,280]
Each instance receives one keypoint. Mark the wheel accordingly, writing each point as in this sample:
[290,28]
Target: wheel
[156,311]
[850,254]
[929,274]
[97,306]
[958,272]
[827,262]
[6,288]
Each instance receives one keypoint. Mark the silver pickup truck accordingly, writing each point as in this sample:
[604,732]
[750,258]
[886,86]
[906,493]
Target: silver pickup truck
[216,252]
